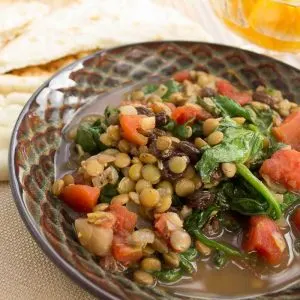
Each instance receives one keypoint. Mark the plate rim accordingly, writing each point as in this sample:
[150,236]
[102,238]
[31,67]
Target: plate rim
[16,187]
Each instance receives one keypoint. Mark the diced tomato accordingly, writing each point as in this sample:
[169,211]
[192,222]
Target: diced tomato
[227,89]
[130,125]
[283,168]
[265,237]
[125,253]
[289,131]
[182,75]
[81,198]
[296,218]
[185,113]
[125,219]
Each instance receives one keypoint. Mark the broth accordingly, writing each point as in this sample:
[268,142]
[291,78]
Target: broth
[234,280]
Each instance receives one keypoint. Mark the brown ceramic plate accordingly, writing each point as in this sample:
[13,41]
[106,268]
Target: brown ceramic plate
[38,134]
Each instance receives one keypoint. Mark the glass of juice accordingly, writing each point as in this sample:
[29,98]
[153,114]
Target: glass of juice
[273,24]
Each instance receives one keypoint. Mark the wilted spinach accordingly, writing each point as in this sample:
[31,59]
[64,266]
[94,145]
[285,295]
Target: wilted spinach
[288,200]
[149,88]
[88,136]
[231,108]
[173,87]
[238,145]
[108,192]
[169,275]
[220,259]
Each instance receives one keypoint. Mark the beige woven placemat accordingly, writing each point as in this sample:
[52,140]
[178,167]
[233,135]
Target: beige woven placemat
[25,271]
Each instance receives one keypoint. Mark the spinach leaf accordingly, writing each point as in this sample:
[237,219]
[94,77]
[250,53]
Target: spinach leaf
[227,249]
[274,209]
[209,105]
[173,87]
[170,126]
[149,88]
[248,206]
[288,200]
[263,118]
[199,218]
[169,275]
[231,108]
[220,259]
[88,137]
[238,145]
[190,254]
[108,192]
[229,222]
[111,115]
[186,265]
[197,130]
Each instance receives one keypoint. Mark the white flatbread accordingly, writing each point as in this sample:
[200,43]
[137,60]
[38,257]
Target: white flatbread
[3,164]
[94,24]
[15,17]
[24,84]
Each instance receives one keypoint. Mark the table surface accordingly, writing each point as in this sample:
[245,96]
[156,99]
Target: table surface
[26,272]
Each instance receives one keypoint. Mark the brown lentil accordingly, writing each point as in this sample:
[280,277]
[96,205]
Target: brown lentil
[142,184]
[126,185]
[167,185]
[147,158]
[189,172]
[163,143]
[199,143]
[229,169]
[135,172]
[151,264]
[180,240]
[57,187]
[160,245]
[133,196]
[209,126]
[93,167]
[68,179]
[215,138]
[149,197]
[113,132]
[105,139]
[177,164]
[239,120]
[137,95]
[164,204]
[120,199]
[172,259]
[148,251]
[124,146]
[202,249]
[143,277]
[151,173]
[122,160]
[184,187]
[101,207]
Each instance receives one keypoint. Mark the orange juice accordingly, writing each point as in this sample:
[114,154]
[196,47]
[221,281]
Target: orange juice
[273,24]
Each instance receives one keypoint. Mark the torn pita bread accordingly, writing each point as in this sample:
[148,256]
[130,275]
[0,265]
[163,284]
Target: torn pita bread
[94,24]
[15,17]
[3,164]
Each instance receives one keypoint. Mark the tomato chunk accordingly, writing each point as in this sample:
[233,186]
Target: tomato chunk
[125,219]
[81,198]
[130,125]
[125,253]
[183,114]
[289,131]
[227,89]
[182,75]
[283,168]
[265,237]
[296,218]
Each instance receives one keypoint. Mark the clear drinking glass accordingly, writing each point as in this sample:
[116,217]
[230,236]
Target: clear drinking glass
[273,24]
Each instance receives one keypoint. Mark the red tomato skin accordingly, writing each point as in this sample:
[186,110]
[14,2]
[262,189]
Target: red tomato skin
[183,114]
[283,168]
[265,237]
[129,125]
[125,219]
[125,253]
[296,218]
[227,89]
[289,131]
[181,76]
[81,198]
